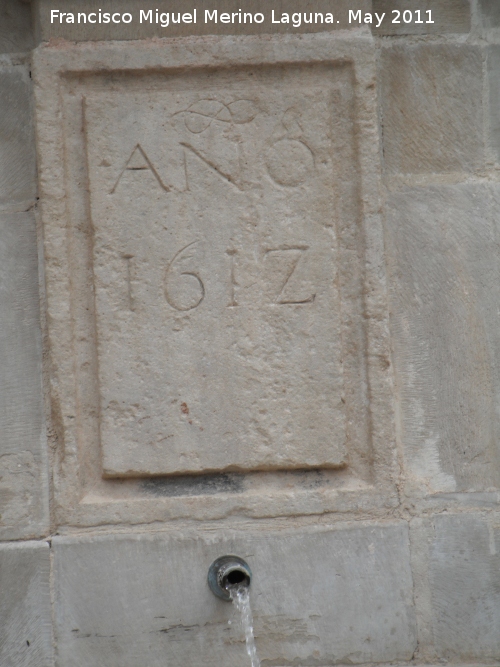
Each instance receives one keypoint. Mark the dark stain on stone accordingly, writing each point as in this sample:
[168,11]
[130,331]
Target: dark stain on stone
[194,485]
[310,479]
[184,408]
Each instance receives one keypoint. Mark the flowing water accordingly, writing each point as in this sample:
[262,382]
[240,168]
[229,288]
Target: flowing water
[241,600]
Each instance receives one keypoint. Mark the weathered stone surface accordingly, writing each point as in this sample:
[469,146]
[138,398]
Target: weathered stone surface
[137,30]
[432,108]
[23,471]
[490,13]
[16,33]
[447,16]
[25,615]
[17,146]
[229,329]
[444,283]
[319,596]
[215,264]
[456,560]
[493,61]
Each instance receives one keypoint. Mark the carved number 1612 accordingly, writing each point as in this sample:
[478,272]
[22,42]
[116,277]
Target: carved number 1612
[184,288]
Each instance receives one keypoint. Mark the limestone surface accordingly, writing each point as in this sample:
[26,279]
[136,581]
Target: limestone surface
[214,259]
[431,97]
[16,30]
[493,61]
[217,323]
[216,271]
[17,145]
[490,13]
[444,276]
[25,613]
[319,596]
[458,592]
[23,467]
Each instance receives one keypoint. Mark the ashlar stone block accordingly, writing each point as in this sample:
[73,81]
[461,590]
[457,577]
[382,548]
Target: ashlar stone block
[319,596]
[458,588]
[493,60]
[17,144]
[16,30]
[216,271]
[25,614]
[23,465]
[490,13]
[432,108]
[210,294]
[444,271]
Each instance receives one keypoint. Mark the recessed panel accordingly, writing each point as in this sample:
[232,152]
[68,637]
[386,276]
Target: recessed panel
[216,271]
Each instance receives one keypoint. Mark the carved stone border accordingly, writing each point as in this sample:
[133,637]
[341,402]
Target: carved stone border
[82,496]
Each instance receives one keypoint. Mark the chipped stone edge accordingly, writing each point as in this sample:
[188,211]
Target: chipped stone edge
[24,545]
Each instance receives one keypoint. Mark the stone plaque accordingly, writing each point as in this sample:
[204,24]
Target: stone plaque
[215,268]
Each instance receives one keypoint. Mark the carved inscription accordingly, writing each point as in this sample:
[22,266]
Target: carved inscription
[209,163]
[194,292]
[289,159]
[175,275]
[292,257]
[139,161]
[201,114]
[232,301]
[215,265]
[130,273]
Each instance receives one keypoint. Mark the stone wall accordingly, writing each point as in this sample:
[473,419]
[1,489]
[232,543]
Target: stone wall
[248,304]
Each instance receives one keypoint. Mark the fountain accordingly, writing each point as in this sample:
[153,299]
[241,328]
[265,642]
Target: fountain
[229,578]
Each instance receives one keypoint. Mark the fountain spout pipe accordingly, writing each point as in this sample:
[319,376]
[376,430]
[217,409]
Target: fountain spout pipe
[226,573]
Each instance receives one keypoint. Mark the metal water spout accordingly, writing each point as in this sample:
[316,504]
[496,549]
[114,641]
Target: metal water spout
[226,573]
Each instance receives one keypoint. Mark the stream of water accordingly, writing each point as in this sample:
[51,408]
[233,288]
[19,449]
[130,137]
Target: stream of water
[241,600]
